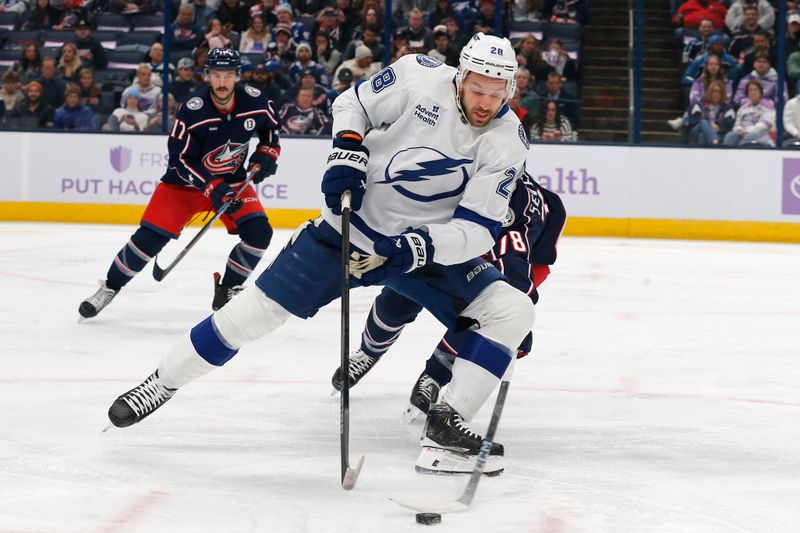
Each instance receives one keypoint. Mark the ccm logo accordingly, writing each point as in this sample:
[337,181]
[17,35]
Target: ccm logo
[351,156]
[477,270]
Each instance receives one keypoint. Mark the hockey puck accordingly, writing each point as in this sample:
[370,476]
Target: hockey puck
[429,519]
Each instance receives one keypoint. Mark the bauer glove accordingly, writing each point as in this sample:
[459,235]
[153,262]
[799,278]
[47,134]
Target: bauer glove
[396,255]
[346,171]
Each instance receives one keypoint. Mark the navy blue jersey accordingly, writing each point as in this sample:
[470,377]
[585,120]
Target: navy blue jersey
[527,244]
[207,144]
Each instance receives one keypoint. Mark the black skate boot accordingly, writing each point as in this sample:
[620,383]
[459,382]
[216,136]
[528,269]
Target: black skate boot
[360,364]
[97,301]
[223,293]
[450,447]
[139,402]
[424,393]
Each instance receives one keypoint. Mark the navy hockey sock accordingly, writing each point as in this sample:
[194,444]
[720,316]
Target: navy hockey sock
[143,245]
[256,234]
[389,314]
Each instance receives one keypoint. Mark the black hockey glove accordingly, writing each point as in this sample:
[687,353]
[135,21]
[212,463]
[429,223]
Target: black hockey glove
[266,157]
[347,171]
[405,252]
[222,193]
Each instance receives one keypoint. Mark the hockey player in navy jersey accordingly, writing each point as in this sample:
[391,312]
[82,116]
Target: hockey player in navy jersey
[208,148]
[523,253]
[430,155]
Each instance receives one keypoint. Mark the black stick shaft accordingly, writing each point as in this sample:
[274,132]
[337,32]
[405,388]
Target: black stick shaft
[344,421]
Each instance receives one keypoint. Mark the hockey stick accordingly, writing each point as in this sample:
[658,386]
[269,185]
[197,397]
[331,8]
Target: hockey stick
[349,475]
[464,501]
[160,273]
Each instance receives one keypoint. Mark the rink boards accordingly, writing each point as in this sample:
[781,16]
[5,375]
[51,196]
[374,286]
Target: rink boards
[607,190]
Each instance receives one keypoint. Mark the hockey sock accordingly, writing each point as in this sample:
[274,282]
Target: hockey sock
[389,314]
[256,233]
[143,245]
[480,364]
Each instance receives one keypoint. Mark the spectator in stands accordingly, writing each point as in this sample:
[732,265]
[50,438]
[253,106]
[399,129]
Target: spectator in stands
[41,17]
[261,81]
[712,72]
[792,34]
[326,56]
[525,118]
[793,70]
[399,45]
[457,37]
[755,119]
[698,46]
[88,48]
[328,21]
[217,35]
[526,9]
[530,56]
[156,58]
[767,81]
[128,117]
[154,124]
[717,48]
[693,12]
[202,13]
[200,56]
[299,32]
[284,47]
[72,116]
[742,39]
[256,39]
[276,74]
[361,65]
[529,98]
[402,8]
[442,10]
[791,123]
[233,14]
[370,17]
[342,83]
[420,37]
[348,21]
[565,11]
[70,63]
[443,50]
[309,80]
[736,16]
[371,39]
[13,6]
[567,102]
[552,125]
[559,59]
[53,87]
[11,93]
[247,72]
[90,92]
[301,117]
[711,118]
[484,20]
[185,35]
[304,63]
[148,91]
[761,43]
[32,113]
[29,66]
[70,12]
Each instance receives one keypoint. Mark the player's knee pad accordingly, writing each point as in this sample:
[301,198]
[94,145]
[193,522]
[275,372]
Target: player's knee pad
[148,241]
[248,316]
[256,232]
[505,314]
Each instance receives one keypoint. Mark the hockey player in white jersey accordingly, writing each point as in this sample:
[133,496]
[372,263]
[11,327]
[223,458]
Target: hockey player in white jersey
[430,155]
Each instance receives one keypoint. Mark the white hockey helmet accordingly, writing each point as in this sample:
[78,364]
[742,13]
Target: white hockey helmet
[491,56]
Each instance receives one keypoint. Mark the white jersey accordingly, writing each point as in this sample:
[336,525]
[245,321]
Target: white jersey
[428,168]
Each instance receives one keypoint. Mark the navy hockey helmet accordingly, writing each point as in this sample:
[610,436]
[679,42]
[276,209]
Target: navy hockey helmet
[224,59]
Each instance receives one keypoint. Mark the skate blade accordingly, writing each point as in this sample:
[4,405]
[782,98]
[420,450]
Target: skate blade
[351,474]
[439,461]
[412,414]
[426,506]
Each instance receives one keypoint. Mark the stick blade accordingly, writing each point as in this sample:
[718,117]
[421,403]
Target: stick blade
[351,475]
[158,272]
[428,506]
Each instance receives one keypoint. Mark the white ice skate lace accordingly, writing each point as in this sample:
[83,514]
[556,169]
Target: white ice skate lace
[425,387]
[464,429]
[359,364]
[102,297]
[147,396]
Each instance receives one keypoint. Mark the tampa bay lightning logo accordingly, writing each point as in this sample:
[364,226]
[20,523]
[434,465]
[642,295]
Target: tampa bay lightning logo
[428,61]
[425,174]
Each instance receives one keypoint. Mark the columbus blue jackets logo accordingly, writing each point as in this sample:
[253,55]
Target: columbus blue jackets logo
[226,158]
[425,174]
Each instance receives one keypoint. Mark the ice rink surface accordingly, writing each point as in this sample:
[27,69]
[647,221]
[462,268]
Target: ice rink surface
[663,395]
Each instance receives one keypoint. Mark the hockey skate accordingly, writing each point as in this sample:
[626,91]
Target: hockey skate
[450,447]
[139,402]
[223,293]
[360,364]
[97,301]
[424,393]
